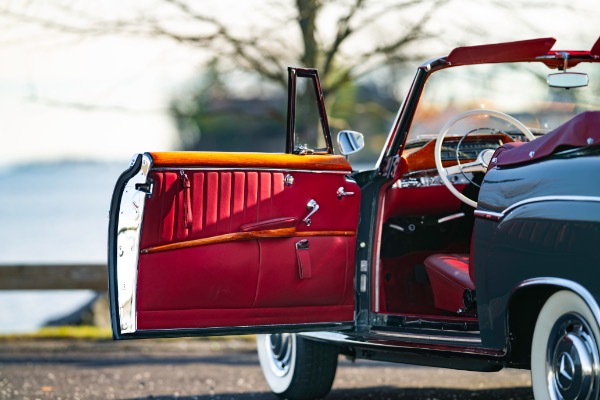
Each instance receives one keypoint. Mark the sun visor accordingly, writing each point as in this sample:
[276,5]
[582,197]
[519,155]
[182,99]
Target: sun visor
[501,52]
[595,51]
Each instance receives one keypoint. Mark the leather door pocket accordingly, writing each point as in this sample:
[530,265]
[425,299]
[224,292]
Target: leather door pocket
[270,224]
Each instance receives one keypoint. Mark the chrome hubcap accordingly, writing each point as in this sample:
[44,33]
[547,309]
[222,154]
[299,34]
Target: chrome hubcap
[572,360]
[279,347]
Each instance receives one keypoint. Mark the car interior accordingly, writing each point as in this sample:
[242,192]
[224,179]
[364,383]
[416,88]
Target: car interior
[424,268]
[426,229]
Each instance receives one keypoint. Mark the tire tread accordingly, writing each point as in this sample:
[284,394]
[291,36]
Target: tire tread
[316,365]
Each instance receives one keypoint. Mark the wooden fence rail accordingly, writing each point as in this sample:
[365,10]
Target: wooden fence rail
[54,277]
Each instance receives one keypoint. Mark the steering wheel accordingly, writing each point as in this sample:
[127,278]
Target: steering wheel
[483,159]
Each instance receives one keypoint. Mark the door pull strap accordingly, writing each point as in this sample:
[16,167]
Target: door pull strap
[303,257]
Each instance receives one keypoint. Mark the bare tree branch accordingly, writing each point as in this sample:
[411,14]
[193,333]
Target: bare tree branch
[343,32]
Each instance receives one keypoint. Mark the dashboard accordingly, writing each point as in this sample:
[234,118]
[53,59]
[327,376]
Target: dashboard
[419,189]
[418,156]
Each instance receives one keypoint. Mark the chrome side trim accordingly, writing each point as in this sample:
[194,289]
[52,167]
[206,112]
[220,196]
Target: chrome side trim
[566,284]
[191,168]
[551,198]
[496,216]
[428,337]
[341,338]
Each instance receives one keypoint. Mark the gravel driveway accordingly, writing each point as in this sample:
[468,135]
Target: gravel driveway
[216,369]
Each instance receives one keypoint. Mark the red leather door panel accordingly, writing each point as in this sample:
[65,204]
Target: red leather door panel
[218,247]
[185,279]
[279,273]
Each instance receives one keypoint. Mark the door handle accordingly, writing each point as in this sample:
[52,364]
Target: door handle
[312,208]
[341,193]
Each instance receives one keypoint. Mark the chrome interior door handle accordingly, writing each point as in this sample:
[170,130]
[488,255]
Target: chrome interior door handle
[341,193]
[312,208]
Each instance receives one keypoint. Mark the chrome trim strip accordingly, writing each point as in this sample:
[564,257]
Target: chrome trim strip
[451,217]
[499,215]
[495,216]
[566,284]
[551,198]
[345,339]
[186,168]
[433,338]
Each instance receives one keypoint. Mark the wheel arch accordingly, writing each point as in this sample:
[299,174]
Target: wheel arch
[524,306]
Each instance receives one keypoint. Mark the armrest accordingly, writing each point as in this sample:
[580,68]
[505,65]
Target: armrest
[275,223]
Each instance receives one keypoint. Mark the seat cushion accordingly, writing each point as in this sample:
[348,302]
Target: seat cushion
[449,277]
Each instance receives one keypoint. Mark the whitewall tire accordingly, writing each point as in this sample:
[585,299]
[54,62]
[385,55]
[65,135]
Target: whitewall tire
[296,368]
[565,361]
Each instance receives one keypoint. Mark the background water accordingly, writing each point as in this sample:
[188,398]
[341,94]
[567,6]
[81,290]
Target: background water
[52,213]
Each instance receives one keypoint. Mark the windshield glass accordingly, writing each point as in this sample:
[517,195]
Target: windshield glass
[517,89]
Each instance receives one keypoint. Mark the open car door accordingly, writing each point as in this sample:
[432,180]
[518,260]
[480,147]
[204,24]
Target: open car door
[229,243]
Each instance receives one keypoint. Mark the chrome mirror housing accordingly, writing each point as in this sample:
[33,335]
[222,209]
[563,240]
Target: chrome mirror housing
[350,142]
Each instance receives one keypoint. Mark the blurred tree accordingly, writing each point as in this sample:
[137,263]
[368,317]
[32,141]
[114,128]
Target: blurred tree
[348,41]
[337,50]
[323,34]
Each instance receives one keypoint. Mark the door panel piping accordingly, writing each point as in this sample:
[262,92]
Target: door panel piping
[192,168]
[237,236]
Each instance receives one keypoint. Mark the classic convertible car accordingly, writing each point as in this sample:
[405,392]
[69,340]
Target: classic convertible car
[473,244]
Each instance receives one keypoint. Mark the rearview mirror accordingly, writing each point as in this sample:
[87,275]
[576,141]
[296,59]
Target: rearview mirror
[568,80]
[350,142]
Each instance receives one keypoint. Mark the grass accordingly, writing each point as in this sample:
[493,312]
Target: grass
[87,332]
[64,332]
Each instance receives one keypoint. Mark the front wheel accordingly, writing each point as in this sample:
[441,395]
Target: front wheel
[296,368]
[565,361]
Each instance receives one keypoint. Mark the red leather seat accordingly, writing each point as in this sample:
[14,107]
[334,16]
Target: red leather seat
[450,281]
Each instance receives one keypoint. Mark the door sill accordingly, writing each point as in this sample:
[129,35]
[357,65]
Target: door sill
[450,338]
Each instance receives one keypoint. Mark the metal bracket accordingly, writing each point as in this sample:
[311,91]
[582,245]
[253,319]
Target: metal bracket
[288,180]
[146,187]
[302,245]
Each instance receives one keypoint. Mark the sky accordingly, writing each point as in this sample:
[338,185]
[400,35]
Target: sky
[105,98]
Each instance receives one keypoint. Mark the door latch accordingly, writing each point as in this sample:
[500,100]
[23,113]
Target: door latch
[312,208]
[146,187]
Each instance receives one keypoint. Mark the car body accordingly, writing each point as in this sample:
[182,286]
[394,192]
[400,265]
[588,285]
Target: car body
[470,245]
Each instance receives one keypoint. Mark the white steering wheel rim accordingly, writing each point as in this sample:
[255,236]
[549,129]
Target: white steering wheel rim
[440,139]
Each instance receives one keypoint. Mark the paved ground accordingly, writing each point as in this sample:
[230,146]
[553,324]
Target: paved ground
[221,369]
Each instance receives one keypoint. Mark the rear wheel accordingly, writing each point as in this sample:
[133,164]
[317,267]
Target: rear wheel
[565,361]
[296,368]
